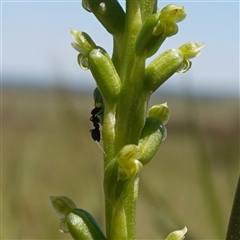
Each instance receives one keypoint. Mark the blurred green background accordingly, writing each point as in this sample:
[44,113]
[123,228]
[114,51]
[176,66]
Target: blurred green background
[47,150]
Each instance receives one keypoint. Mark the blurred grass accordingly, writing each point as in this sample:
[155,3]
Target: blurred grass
[47,150]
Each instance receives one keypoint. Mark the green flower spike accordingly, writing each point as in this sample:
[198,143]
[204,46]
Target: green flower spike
[177,235]
[124,86]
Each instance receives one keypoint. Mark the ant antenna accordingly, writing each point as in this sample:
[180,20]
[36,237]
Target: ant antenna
[101,148]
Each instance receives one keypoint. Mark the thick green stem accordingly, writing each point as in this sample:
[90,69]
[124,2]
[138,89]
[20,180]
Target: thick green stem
[130,110]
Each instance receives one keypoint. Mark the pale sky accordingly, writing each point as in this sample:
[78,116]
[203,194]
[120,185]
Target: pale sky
[35,44]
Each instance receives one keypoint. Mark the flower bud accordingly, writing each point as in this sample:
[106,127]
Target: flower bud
[62,205]
[124,167]
[84,44]
[82,225]
[172,13]
[162,68]
[150,140]
[157,27]
[168,17]
[191,49]
[129,164]
[105,74]
[160,112]
[177,235]
[109,13]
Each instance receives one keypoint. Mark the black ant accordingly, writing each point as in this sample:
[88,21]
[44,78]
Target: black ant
[95,133]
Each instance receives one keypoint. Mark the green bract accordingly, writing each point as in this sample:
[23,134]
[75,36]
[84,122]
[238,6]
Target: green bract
[150,140]
[82,225]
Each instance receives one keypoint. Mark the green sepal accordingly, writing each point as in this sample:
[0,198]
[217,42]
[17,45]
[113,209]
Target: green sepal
[105,74]
[62,205]
[84,43]
[82,225]
[150,140]
[191,49]
[162,68]
[109,13]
